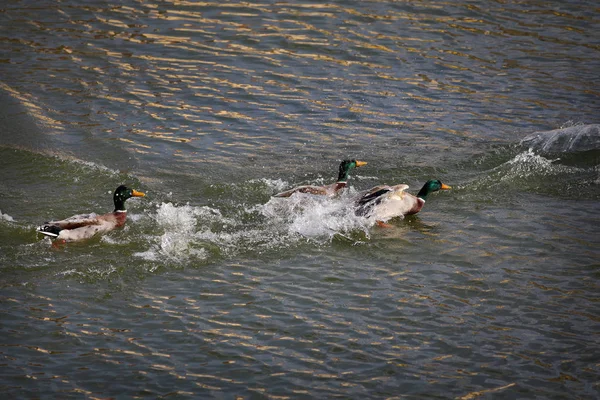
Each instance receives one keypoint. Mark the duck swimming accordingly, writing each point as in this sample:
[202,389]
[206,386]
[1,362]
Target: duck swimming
[386,202]
[84,226]
[327,190]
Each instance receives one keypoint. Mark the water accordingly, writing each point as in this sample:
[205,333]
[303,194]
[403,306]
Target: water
[213,289]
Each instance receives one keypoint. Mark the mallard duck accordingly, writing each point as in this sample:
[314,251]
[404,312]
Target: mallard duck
[386,202]
[327,190]
[84,226]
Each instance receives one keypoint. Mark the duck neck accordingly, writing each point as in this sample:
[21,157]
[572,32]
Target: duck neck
[343,175]
[423,192]
[120,206]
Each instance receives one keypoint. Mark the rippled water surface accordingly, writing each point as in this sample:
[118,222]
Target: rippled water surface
[215,289]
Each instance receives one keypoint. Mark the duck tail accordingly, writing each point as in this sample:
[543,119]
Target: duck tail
[49,230]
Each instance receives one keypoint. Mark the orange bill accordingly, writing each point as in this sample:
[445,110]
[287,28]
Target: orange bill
[135,193]
[445,187]
[360,163]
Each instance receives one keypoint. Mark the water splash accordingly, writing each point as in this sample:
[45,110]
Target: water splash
[6,217]
[317,218]
[274,185]
[529,171]
[183,232]
[528,163]
[178,227]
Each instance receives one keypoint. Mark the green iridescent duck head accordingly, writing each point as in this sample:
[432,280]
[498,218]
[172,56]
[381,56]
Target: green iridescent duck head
[122,193]
[346,166]
[431,186]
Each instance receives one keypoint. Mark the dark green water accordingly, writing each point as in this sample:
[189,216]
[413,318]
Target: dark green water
[213,289]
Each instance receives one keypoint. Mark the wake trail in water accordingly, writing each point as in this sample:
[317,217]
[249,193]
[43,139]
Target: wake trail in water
[530,171]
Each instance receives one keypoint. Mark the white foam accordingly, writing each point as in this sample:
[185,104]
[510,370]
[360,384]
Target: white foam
[526,163]
[178,225]
[315,217]
[276,185]
[530,157]
[6,217]
[525,166]
[366,177]
[89,272]
[186,231]
[135,217]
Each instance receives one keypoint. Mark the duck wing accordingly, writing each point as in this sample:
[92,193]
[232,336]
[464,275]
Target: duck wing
[375,197]
[85,231]
[53,228]
[373,194]
[319,190]
[370,199]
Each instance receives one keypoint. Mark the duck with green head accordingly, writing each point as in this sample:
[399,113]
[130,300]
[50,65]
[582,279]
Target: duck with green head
[327,190]
[383,203]
[84,226]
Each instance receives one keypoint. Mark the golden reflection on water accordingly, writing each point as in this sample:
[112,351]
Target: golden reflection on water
[200,71]
[281,38]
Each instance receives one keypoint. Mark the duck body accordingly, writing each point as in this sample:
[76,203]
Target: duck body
[383,203]
[84,226]
[327,190]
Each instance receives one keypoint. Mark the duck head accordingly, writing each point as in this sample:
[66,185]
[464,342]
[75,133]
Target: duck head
[431,186]
[123,193]
[346,166]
